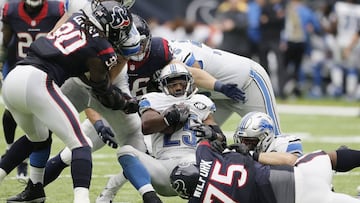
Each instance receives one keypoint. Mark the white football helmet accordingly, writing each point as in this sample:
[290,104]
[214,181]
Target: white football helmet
[176,71]
[256,130]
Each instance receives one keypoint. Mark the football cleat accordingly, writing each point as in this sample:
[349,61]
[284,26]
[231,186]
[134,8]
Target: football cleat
[151,197]
[31,194]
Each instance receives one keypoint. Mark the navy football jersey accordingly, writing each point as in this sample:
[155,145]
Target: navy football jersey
[227,177]
[27,28]
[230,177]
[143,74]
[66,52]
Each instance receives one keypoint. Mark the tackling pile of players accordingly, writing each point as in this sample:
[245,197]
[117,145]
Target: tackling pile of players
[99,58]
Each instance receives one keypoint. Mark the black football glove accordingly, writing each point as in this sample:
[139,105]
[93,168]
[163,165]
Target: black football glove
[240,148]
[105,133]
[176,115]
[131,103]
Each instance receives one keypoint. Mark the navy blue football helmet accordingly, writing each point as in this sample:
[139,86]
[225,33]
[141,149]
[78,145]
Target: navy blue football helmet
[113,19]
[184,179]
[145,38]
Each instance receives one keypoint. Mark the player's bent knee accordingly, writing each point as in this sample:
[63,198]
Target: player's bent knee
[126,150]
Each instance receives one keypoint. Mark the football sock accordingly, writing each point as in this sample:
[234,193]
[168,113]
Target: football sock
[9,126]
[81,167]
[134,171]
[19,151]
[347,159]
[53,169]
[36,174]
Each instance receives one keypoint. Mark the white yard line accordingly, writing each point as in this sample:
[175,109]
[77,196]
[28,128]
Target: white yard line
[319,110]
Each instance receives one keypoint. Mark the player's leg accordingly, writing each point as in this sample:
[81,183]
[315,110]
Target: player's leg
[59,162]
[78,93]
[127,128]
[343,160]
[113,185]
[260,97]
[137,172]
[223,110]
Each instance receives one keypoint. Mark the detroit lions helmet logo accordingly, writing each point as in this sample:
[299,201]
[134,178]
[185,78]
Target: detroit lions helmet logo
[120,18]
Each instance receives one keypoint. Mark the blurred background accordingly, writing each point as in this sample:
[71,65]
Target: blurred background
[309,48]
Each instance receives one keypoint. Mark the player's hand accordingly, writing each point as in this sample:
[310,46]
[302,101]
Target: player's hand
[105,133]
[131,103]
[230,90]
[204,131]
[176,115]
[240,148]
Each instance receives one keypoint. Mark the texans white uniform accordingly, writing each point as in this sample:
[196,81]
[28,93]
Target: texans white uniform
[170,150]
[230,68]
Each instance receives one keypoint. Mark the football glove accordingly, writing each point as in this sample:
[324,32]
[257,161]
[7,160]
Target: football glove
[176,115]
[131,103]
[239,148]
[204,131]
[105,133]
[230,90]
[108,95]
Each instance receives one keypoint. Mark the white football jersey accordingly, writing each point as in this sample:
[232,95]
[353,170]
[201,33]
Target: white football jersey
[348,18]
[286,143]
[220,64]
[165,146]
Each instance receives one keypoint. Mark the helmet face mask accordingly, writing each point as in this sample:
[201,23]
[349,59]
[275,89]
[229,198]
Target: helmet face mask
[176,80]
[184,178]
[256,130]
[34,3]
[145,38]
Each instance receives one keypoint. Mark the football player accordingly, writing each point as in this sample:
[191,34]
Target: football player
[256,130]
[49,62]
[167,116]
[21,26]
[228,68]
[232,175]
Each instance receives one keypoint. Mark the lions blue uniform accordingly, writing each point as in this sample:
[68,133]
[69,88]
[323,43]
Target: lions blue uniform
[143,74]
[56,55]
[26,28]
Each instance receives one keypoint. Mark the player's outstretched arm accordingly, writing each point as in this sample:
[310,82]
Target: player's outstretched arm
[205,80]
[275,158]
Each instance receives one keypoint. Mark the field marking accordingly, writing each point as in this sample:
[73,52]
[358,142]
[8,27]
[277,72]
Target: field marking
[319,110]
[307,137]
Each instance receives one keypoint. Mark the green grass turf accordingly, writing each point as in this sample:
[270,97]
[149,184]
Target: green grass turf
[328,127]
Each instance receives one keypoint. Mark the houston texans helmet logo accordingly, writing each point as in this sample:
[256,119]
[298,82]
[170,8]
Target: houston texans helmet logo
[120,18]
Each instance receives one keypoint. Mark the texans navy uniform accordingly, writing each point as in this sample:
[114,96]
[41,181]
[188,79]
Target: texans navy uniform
[32,93]
[56,53]
[26,28]
[228,177]
[143,74]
